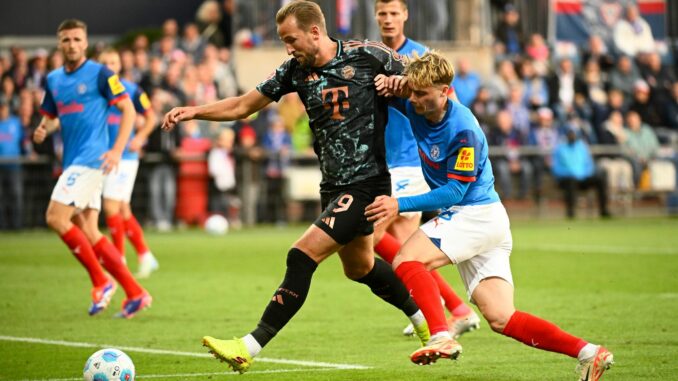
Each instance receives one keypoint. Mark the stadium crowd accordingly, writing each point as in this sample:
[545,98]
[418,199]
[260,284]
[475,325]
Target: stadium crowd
[616,94]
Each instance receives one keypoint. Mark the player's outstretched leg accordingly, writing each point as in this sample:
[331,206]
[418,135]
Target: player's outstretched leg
[286,301]
[494,297]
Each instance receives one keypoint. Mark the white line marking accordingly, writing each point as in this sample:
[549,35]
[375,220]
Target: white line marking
[601,249]
[179,375]
[176,353]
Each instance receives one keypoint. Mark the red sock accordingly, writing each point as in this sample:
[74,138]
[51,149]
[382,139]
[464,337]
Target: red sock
[387,247]
[82,250]
[136,235]
[117,228]
[542,334]
[452,301]
[112,261]
[424,290]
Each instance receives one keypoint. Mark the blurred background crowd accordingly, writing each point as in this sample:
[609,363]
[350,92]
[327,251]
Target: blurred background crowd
[601,112]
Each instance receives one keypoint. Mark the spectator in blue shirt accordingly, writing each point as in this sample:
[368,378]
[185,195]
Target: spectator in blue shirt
[574,169]
[466,83]
[11,175]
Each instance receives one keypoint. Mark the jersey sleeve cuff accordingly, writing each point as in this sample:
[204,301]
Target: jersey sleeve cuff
[47,114]
[117,99]
[469,179]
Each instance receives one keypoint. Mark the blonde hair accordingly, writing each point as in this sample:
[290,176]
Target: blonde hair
[428,70]
[307,13]
[107,51]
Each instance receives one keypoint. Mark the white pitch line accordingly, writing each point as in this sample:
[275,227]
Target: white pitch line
[176,353]
[179,375]
[602,249]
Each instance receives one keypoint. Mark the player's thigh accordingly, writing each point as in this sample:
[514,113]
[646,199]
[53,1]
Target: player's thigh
[58,216]
[493,263]
[420,248]
[357,257]
[317,244]
[404,226]
[494,298]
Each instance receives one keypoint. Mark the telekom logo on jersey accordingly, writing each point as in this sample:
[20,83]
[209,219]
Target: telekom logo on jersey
[70,108]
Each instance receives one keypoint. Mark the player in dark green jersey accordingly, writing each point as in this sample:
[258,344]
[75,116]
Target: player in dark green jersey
[335,81]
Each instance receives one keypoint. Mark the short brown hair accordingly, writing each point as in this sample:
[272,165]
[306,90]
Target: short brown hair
[429,70]
[72,24]
[306,12]
[403,2]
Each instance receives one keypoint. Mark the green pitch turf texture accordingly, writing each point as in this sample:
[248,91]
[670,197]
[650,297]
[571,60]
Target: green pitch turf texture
[611,282]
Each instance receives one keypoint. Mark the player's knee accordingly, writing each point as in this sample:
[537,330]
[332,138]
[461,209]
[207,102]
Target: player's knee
[297,260]
[498,321]
[355,272]
[55,221]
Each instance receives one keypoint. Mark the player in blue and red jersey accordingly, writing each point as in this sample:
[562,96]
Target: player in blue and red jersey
[118,186]
[406,176]
[473,231]
[77,98]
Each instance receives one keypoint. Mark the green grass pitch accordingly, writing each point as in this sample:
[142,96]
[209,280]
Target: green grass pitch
[611,282]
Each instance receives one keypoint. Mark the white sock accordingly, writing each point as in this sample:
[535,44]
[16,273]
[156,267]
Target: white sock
[441,334]
[418,318]
[253,347]
[587,352]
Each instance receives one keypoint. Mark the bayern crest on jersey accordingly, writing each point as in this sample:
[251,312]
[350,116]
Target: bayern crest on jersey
[348,72]
[435,152]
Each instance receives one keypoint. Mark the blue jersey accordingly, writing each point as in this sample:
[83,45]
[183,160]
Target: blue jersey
[11,137]
[401,148]
[80,99]
[454,149]
[141,104]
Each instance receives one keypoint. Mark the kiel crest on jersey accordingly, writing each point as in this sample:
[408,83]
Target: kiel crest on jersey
[435,152]
[348,72]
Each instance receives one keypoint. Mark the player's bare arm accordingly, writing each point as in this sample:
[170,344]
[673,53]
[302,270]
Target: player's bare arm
[395,85]
[228,109]
[112,157]
[383,209]
[142,134]
[46,127]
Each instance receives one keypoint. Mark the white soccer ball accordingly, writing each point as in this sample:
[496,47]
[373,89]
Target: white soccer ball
[216,224]
[109,364]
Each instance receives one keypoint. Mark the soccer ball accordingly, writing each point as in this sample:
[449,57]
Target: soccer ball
[216,225]
[107,365]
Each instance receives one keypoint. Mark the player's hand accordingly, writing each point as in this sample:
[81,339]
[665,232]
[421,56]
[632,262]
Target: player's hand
[136,144]
[176,115]
[380,84]
[110,161]
[383,209]
[390,86]
[40,134]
